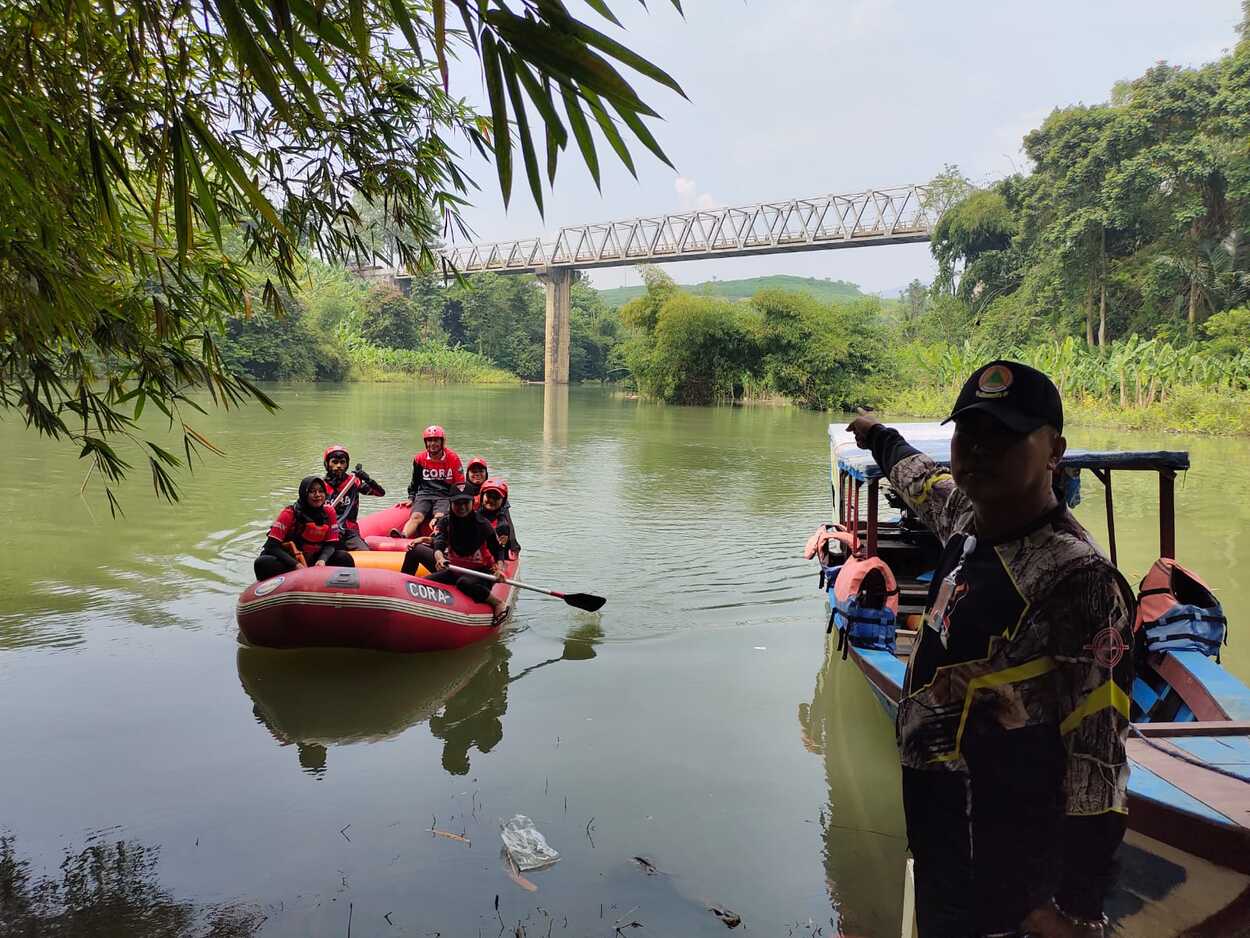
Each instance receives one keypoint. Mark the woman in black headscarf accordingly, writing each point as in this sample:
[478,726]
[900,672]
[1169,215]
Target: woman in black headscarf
[304,534]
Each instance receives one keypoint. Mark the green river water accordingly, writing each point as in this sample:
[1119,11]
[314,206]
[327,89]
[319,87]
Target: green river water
[162,776]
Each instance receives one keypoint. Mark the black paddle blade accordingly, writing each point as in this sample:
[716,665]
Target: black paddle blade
[585,601]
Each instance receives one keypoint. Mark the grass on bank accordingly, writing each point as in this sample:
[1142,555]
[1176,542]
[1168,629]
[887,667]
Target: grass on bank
[436,364]
[1187,409]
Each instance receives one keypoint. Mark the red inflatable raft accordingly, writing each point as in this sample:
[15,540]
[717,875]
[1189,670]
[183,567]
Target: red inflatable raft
[370,606]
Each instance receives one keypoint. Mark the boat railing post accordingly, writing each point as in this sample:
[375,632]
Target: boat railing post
[1167,513]
[1104,476]
[871,520]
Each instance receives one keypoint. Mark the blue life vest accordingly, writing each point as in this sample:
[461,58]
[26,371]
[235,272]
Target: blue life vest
[1176,611]
[863,600]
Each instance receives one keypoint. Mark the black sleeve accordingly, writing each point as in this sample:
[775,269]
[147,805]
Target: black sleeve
[888,447]
[513,543]
[1089,843]
[416,478]
[273,548]
[375,490]
[327,550]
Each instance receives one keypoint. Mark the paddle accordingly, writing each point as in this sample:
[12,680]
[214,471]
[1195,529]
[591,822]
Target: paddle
[586,601]
[353,482]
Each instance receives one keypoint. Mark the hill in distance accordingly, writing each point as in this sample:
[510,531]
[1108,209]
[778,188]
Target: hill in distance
[824,290]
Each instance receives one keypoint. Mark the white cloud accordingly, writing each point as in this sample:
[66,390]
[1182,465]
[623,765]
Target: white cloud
[690,198]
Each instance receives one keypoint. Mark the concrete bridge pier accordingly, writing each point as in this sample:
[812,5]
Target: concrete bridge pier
[558,282]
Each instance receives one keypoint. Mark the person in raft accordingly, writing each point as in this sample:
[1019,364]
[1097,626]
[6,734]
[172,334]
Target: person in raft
[347,488]
[492,504]
[475,473]
[305,534]
[436,473]
[466,539]
[1014,713]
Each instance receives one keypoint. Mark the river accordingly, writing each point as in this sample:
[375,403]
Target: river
[695,722]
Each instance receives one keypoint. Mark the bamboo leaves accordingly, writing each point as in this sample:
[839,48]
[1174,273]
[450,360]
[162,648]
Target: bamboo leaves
[162,163]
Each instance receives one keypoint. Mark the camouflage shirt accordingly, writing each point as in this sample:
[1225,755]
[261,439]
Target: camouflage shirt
[1040,633]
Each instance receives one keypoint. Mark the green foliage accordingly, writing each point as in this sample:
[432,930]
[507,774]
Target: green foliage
[135,137]
[825,290]
[501,318]
[976,231]
[389,319]
[819,355]
[687,349]
[286,347]
[436,364]
[1229,332]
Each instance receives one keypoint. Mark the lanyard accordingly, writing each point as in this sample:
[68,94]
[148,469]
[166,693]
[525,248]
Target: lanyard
[937,618]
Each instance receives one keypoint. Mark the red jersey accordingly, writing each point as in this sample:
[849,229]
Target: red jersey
[436,477]
[309,538]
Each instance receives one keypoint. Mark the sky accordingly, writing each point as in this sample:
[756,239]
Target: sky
[806,97]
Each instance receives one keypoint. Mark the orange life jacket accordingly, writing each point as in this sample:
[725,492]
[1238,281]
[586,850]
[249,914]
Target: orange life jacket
[1177,611]
[864,601]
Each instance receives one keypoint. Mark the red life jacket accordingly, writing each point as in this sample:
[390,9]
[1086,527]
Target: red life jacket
[308,536]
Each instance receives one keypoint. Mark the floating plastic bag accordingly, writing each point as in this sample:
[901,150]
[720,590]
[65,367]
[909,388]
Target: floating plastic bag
[527,847]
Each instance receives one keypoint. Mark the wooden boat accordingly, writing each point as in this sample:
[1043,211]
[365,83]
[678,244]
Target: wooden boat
[1189,746]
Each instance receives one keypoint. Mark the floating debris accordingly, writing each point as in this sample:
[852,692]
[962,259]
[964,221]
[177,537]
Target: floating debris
[647,866]
[731,919]
[515,875]
[527,847]
[450,836]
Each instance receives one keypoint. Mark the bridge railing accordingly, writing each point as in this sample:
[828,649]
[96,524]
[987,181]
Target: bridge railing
[876,216]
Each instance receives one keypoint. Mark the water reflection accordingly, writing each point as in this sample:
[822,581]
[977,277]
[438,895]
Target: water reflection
[555,416]
[107,888]
[317,698]
[862,822]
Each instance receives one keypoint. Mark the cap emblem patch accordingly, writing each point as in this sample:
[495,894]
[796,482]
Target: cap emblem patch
[994,382]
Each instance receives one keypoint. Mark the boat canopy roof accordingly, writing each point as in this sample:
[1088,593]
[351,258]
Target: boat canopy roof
[934,440]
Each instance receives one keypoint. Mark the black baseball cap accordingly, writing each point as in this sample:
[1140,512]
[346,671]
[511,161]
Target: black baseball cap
[460,496]
[1019,397]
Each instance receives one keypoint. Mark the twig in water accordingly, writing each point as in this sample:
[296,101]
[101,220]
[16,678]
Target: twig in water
[343,831]
[566,804]
[387,916]
[590,825]
[349,920]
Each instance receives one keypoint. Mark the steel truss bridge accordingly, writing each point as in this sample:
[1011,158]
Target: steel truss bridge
[900,215]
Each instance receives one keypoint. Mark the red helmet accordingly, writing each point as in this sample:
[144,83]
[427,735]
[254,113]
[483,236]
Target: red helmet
[433,432]
[331,450]
[495,485]
[477,461]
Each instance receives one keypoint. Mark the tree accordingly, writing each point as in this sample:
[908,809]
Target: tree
[389,319]
[132,134]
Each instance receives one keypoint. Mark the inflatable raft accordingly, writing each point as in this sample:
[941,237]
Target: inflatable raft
[372,605]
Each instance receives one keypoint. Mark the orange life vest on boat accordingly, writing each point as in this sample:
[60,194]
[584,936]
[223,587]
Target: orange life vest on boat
[1176,611]
[864,601]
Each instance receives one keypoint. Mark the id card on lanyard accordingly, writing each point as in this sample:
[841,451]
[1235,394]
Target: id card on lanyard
[936,619]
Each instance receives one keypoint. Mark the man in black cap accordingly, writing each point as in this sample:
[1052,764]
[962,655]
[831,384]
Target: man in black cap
[1014,714]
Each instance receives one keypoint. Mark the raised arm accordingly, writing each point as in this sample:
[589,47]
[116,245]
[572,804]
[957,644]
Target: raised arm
[926,487]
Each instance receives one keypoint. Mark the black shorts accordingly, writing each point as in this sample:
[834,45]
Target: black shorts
[430,505]
[351,540]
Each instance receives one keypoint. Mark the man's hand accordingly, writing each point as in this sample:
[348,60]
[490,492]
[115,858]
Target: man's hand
[440,560]
[498,571]
[321,563]
[406,503]
[862,426]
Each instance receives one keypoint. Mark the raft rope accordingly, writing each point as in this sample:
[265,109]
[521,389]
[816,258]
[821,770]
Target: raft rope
[1177,753]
